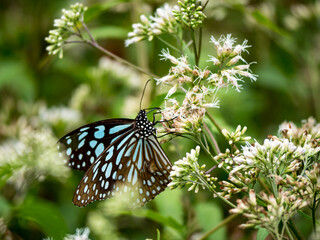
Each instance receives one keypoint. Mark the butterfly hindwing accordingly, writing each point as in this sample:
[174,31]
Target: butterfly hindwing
[84,145]
[155,175]
[133,166]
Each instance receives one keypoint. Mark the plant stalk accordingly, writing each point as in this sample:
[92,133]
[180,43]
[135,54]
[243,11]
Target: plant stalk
[214,122]
[221,224]
[194,44]
[216,147]
[119,59]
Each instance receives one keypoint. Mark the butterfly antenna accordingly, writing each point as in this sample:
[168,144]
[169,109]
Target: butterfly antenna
[144,89]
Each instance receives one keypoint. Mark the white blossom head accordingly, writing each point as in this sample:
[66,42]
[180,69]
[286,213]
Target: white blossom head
[65,26]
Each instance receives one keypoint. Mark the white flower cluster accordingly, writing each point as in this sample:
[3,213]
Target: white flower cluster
[306,185]
[188,171]
[272,155]
[236,136]
[287,168]
[81,234]
[33,157]
[65,26]
[188,116]
[228,59]
[278,209]
[200,86]
[309,130]
[60,115]
[163,21]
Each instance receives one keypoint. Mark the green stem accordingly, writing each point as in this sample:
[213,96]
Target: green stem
[209,153]
[194,44]
[289,232]
[214,122]
[200,44]
[221,224]
[211,189]
[73,41]
[205,140]
[264,186]
[169,45]
[313,212]
[296,232]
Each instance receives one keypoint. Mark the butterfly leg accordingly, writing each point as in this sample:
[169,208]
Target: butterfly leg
[163,121]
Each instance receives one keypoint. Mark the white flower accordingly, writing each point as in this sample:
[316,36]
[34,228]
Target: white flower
[233,70]
[163,21]
[214,60]
[57,115]
[187,171]
[81,234]
[135,39]
[65,26]
[33,156]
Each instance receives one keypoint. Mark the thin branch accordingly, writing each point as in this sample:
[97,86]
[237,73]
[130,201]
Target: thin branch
[73,41]
[212,138]
[88,31]
[169,45]
[204,6]
[77,34]
[119,59]
[214,122]
[205,140]
[211,169]
[221,224]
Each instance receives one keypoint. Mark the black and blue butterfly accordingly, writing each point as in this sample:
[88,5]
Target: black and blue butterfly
[118,156]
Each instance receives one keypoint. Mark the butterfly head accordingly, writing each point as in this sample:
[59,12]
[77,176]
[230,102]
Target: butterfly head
[143,124]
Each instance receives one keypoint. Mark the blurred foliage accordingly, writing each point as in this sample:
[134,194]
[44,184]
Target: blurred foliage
[43,93]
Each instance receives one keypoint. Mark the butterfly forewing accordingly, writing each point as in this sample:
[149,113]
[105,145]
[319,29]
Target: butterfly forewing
[85,144]
[133,166]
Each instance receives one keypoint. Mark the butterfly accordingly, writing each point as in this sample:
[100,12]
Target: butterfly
[118,156]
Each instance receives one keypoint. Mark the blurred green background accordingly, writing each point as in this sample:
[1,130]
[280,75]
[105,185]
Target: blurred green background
[38,92]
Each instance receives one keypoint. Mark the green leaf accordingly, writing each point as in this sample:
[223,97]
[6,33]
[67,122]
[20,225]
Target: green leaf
[169,203]
[109,32]
[273,78]
[210,215]
[16,76]
[187,51]
[158,100]
[4,207]
[45,215]
[262,233]
[306,216]
[157,217]
[97,9]
[263,20]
